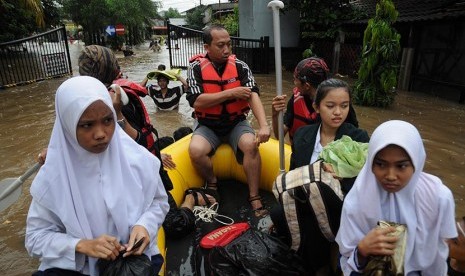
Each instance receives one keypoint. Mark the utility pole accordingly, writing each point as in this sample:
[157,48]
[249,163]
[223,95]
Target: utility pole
[219,9]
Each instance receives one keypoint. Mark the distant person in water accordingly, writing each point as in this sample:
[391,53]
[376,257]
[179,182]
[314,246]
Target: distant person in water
[166,98]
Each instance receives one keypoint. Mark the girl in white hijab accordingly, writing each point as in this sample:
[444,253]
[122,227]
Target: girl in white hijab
[393,187]
[98,192]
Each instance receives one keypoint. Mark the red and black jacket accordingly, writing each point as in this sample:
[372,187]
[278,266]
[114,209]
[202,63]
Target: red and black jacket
[302,115]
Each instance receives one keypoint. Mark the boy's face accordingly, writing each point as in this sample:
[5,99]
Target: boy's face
[163,83]
[96,127]
[392,168]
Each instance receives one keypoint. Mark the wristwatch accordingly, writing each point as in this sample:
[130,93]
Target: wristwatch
[122,123]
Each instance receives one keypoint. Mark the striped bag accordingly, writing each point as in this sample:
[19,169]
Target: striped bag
[307,179]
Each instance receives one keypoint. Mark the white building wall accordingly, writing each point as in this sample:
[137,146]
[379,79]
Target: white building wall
[256,20]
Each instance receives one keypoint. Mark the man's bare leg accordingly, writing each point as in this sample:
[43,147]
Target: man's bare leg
[199,148]
[252,168]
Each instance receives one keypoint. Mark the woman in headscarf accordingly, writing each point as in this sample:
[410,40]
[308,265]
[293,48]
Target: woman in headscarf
[392,187]
[98,192]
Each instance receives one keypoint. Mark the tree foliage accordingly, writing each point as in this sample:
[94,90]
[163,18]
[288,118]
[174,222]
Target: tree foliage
[172,13]
[377,76]
[195,18]
[20,18]
[95,15]
[322,19]
[230,22]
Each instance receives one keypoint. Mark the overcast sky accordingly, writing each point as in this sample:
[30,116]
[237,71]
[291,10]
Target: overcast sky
[183,5]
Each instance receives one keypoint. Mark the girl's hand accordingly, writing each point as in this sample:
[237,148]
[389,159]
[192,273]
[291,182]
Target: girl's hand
[104,247]
[378,242]
[42,156]
[167,161]
[138,232]
[278,104]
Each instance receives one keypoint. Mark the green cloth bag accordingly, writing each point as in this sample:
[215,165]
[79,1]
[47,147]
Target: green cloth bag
[346,156]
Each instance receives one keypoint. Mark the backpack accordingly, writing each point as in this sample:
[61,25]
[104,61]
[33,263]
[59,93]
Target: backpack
[307,184]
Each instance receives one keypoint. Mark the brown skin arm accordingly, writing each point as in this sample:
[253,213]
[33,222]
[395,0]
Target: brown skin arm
[116,99]
[278,104]
[183,81]
[256,105]
[206,100]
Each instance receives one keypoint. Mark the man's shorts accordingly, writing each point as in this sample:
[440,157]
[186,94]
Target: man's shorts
[232,138]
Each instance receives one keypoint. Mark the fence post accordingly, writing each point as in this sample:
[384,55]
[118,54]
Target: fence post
[169,42]
[63,29]
[265,45]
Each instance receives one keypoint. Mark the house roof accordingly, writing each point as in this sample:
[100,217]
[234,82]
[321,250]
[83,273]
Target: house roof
[414,10]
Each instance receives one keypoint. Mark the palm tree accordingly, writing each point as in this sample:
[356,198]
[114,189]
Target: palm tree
[35,6]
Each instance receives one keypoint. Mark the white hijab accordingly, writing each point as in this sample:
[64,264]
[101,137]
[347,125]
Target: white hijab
[425,204]
[94,194]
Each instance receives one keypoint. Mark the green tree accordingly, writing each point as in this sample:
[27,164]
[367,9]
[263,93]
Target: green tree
[172,13]
[195,18]
[21,18]
[230,22]
[95,15]
[377,76]
[322,19]
[35,7]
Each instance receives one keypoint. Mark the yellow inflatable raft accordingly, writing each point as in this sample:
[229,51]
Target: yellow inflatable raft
[184,176]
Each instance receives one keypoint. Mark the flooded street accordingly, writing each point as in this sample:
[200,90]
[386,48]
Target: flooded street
[27,116]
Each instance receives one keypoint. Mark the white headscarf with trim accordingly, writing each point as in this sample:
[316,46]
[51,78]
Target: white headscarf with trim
[94,194]
[425,205]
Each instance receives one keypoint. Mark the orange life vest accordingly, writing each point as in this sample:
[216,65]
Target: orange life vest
[213,83]
[135,91]
[302,116]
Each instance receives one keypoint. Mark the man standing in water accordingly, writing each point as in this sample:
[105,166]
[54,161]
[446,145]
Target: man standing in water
[222,90]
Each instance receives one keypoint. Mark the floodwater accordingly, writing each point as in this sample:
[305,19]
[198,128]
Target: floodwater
[27,116]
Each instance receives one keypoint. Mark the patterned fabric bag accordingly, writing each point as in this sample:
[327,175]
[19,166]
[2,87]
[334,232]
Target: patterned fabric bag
[309,180]
[389,265]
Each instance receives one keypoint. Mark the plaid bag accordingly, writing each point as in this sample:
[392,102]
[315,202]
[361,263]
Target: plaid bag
[306,180]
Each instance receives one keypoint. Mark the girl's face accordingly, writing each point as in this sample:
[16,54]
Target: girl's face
[392,168]
[95,127]
[304,88]
[334,107]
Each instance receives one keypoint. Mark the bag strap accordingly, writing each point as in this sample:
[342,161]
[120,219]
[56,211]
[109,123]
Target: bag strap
[317,203]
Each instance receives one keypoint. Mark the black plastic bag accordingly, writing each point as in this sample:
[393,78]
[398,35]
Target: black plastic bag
[254,253]
[132,265]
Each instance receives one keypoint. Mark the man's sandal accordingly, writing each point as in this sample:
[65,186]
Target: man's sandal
[260,211]
[194,192]
[212,189]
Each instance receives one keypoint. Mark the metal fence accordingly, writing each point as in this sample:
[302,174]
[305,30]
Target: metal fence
[183,43]
[349,59]
[35,58]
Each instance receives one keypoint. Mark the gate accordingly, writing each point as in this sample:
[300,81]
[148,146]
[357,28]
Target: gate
[35,58]
[183,43]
